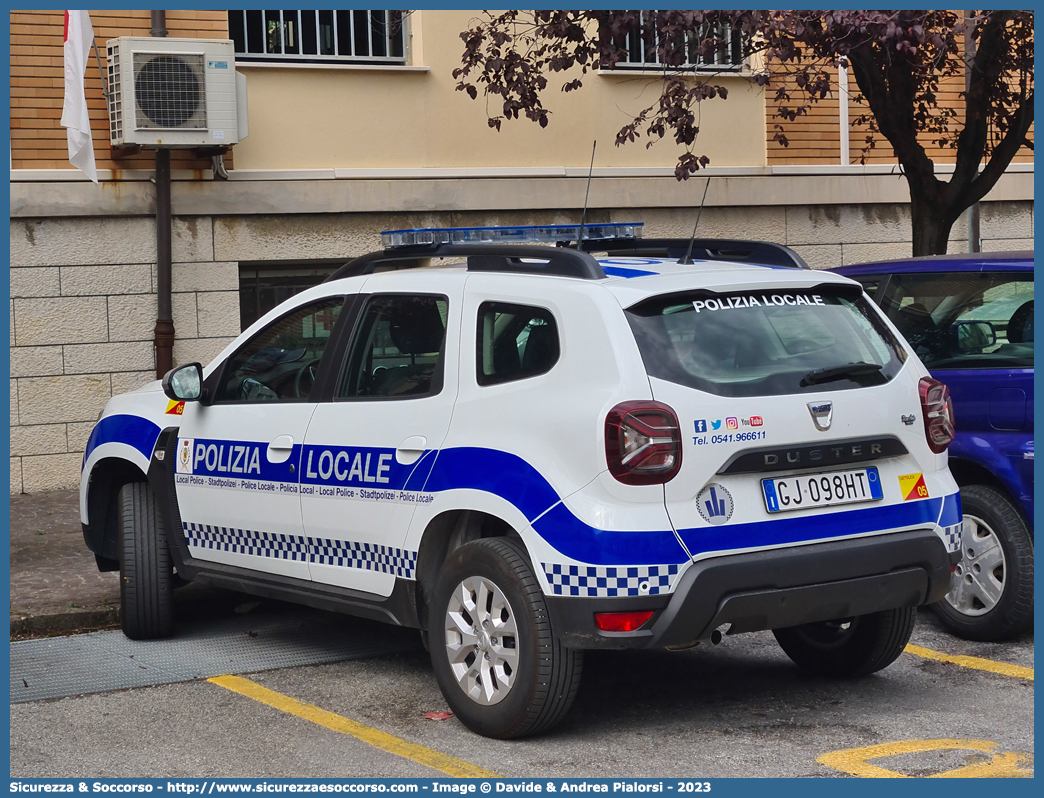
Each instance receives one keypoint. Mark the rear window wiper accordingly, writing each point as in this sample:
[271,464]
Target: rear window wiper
[831,373]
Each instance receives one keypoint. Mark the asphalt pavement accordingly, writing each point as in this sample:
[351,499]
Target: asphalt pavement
[737,709]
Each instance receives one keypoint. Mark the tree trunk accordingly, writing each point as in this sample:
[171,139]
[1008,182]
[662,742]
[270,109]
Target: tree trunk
[931,227]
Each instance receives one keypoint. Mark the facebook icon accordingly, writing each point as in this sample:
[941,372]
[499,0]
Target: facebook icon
[701,425]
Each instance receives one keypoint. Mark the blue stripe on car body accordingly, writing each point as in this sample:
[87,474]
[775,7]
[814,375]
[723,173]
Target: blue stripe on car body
[951,510]
[783,531]
[134,431]
[618,271]
[511,478]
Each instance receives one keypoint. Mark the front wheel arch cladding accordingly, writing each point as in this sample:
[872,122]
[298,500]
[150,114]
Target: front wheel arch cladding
[108,475]
[161,478]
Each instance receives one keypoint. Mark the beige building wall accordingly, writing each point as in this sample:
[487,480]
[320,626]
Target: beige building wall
[38,83]
[413,117]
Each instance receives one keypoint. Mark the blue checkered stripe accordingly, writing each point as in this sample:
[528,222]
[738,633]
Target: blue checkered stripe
[952,537]
[246,541]
[347,554]
[369,556]
[604,581]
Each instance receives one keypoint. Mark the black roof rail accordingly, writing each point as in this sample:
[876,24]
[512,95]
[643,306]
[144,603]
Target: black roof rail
[759,252]
[481,258]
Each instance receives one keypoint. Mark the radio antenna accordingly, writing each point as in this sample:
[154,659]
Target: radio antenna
[583,216]
[687,260]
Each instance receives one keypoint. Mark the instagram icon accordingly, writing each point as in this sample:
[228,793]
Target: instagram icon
[731,423]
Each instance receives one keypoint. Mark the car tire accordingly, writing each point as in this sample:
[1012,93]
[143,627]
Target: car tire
[514,677]
[849,647]
[991,590]
[146,575]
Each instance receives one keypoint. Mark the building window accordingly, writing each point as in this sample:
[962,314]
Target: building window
[319,37]
[262,286]
[643,43]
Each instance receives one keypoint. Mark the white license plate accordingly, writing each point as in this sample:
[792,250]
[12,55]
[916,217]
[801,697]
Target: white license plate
[783,494]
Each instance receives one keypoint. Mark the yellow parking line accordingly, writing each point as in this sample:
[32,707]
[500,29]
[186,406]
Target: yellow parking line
[386,742]
[855,761]
[1003,668]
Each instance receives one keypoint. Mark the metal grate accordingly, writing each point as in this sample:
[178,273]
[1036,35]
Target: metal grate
[115,92]
[263,286]
[169,91]
[104,661]
[360,36]
[643,45]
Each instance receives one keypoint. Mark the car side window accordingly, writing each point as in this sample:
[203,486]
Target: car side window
[514,342]
[398,348]
[279,364]
[965,319]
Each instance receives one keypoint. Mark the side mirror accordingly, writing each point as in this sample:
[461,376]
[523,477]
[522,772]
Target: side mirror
[185,383]
[973,336]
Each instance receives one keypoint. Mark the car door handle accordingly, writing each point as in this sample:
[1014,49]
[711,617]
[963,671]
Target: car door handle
[280,449]
[410,450]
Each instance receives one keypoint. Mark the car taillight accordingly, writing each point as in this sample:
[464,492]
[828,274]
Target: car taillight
[937,409]
[622,621]
[642,443]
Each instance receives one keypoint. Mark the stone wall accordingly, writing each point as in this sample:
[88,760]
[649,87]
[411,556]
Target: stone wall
[83,302]
[83,308]
[828,236]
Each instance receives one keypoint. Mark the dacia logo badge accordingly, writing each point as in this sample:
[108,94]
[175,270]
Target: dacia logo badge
[822,414]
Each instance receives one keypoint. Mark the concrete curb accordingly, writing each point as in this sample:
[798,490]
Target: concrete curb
[63,623]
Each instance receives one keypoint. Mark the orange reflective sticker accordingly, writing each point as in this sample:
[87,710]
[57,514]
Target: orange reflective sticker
[175,408]
[912,487]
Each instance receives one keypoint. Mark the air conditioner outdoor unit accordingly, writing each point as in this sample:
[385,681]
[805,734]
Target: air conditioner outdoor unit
[174,92]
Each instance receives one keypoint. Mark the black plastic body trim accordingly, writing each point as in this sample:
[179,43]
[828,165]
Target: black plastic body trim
[400,608]
[481,257]
[771,459]
[770,590]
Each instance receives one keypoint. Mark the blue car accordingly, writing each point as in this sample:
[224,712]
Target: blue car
[969,318]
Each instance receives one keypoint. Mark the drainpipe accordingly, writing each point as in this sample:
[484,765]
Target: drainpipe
[159,24]
[974,244]
[163,334]
[842,112]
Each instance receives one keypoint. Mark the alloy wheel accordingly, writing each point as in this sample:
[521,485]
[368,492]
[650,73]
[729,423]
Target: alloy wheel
[481,640]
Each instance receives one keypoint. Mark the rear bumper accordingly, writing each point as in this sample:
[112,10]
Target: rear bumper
[771,590]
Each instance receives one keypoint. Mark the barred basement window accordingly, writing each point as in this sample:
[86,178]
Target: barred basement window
[262,286]
[643,53]
[319,37]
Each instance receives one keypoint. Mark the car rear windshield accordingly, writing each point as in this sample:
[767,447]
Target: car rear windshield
[766,343]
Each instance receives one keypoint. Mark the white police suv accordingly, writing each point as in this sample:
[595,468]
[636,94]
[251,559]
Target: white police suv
[536,450]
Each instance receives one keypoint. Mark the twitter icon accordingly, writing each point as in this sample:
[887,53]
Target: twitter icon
[716,424]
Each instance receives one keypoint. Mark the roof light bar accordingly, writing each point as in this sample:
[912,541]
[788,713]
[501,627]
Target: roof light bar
[525,234]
